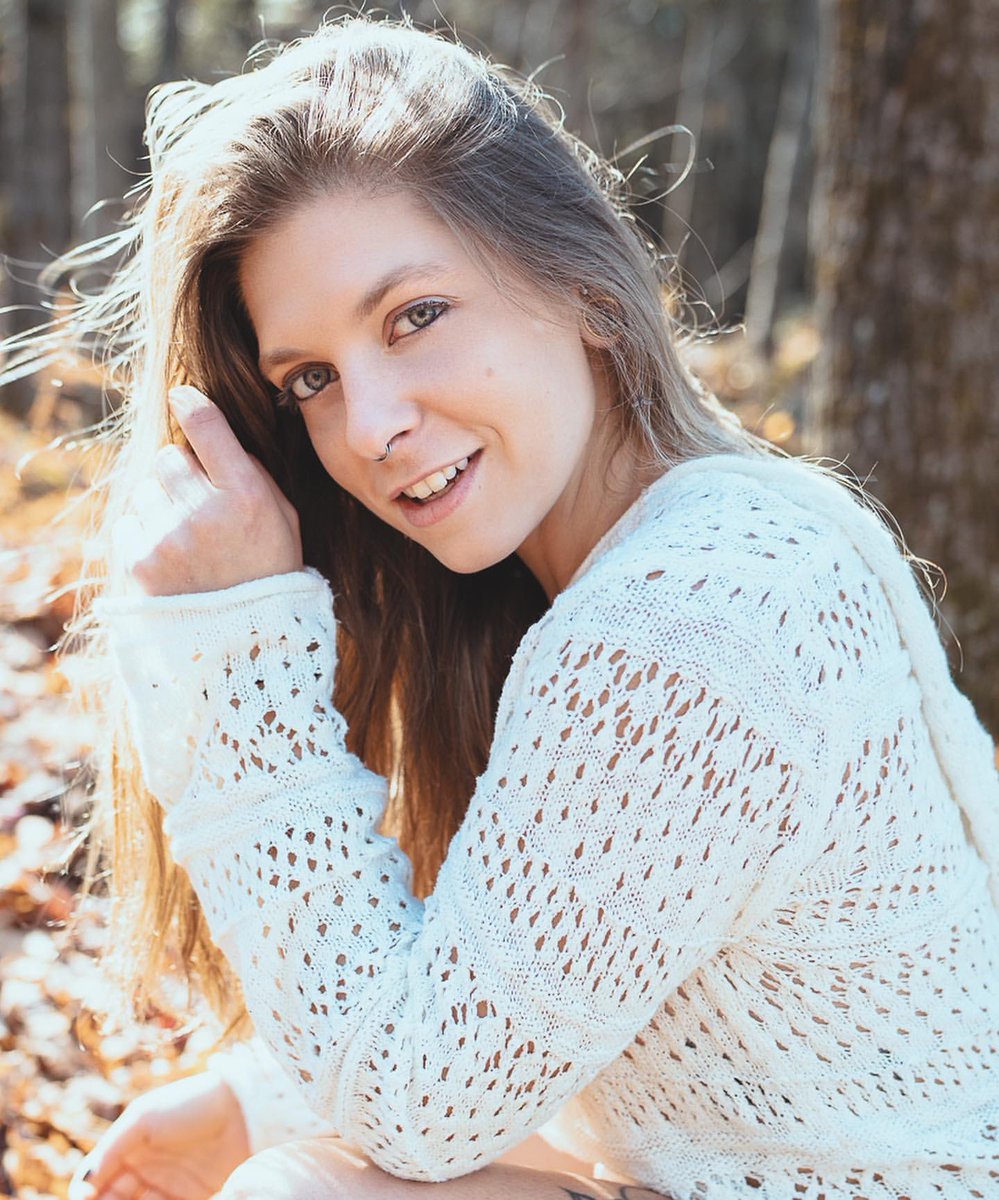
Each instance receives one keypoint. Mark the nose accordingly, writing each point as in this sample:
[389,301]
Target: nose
[380,408]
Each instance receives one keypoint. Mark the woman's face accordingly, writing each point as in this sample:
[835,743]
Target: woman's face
[374,321]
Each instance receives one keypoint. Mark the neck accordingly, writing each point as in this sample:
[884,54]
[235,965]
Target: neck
[596,500]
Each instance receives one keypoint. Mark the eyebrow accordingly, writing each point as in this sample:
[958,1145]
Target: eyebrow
[364,308]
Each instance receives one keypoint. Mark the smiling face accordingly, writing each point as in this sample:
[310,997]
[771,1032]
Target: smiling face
[376,323]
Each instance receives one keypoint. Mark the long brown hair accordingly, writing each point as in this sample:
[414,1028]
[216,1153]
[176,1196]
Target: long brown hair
[374,106]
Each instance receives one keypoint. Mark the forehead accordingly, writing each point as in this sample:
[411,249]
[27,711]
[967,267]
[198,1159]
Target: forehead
[343,240]
[339,249]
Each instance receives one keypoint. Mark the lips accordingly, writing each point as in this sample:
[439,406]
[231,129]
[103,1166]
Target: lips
[436,482]
[425,486]
[440,505]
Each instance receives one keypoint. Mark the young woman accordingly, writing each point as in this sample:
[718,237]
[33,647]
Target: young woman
[625,797]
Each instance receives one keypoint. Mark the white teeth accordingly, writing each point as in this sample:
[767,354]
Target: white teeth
[435,482]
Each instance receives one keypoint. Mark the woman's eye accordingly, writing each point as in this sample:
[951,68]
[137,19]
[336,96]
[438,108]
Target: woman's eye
[309,382]
[418,316]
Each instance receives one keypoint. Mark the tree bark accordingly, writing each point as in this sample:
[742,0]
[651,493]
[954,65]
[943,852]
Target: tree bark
[906,229]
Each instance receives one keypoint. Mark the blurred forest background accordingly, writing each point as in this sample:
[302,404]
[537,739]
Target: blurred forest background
[823,177]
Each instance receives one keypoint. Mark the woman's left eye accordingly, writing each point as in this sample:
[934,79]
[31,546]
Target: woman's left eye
[418,316]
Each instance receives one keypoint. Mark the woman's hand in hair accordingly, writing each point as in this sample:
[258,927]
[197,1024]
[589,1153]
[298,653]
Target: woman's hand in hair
[179,1142]
[209,516]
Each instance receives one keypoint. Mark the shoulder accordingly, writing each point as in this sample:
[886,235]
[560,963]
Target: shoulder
[739,565]
[715,529]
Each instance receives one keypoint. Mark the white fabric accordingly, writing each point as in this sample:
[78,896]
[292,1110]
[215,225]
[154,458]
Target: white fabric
[273,1109]
[718,912]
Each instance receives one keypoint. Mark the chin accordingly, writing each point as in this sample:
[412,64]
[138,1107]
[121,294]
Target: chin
[465,560]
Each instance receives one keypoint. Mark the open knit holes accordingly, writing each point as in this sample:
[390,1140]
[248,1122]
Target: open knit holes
[882,766]
[848,625]
[274,746]
[646,799]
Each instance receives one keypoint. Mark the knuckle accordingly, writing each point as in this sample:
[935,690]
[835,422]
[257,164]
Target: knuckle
[201,416]
[139,569]
[251,504]
[167,551]
[146,571]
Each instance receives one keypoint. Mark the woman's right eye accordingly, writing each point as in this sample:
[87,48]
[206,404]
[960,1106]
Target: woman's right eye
[306,384]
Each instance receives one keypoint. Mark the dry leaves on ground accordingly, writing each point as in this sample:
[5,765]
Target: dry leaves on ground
[62,1078]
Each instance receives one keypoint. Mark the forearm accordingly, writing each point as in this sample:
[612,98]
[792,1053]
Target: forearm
[539,1155]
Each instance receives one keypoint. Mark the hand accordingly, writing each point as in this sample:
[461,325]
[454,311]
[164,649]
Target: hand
[210,516]
[177,1142]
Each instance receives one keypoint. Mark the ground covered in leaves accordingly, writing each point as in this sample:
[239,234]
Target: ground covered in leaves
[63,1078]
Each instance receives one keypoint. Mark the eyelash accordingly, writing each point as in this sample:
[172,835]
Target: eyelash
[286,398]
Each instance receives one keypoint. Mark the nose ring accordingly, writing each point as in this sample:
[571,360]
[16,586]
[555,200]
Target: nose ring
[388,451]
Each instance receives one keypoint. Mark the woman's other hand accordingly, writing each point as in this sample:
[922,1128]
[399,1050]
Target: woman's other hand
[210,516]
[177,1142]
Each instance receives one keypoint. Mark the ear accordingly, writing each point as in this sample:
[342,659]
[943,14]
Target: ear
[595,329]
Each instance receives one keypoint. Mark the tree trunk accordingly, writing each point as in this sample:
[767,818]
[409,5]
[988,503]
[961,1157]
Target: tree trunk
[506,39]
[906,228]
[698,47]
[170,39]
[101,146]
[36,172]
[785,145]
[578,69]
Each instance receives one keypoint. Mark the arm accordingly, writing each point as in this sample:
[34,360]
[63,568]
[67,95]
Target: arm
[626,817]
[540,1155]
[274,1112]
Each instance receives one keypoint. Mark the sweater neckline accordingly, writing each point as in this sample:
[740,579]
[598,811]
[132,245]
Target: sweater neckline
[633,516]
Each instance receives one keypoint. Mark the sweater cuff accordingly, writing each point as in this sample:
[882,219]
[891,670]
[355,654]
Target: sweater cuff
[308,581]
[273,1110]
[173,654]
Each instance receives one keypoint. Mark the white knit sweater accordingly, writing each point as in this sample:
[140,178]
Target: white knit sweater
[718,915]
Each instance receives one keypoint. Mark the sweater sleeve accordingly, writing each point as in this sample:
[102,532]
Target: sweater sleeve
[628,815]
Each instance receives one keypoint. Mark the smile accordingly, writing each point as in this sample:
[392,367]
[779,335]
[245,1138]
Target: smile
[435,506]
[435,482]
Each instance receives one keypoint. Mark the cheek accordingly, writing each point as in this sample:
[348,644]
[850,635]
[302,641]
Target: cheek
[327,438]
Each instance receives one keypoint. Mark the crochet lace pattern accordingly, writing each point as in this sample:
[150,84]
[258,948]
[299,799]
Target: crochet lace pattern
[718,915]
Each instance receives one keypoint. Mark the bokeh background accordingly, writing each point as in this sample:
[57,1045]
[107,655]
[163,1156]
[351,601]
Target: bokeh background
[822,179]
